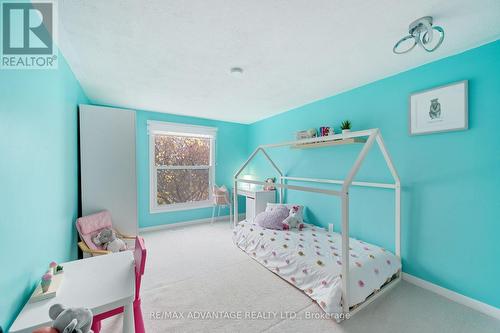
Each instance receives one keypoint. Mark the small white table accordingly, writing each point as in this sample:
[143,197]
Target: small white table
[256,201]
[99,283]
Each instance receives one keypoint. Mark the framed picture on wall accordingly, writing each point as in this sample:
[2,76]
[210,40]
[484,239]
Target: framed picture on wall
[439,109]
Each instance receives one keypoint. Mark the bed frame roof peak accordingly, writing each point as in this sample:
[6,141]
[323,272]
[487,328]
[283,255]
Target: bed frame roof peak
[373,135]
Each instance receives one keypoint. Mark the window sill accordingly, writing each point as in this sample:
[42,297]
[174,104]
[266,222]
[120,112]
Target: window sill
[180,207]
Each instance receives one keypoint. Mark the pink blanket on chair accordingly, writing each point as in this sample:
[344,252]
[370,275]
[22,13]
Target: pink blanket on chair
[90,225]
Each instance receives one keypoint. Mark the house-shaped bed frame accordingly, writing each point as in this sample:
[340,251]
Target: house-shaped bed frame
[372,136]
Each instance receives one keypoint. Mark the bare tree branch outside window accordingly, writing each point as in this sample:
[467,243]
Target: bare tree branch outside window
[182,166]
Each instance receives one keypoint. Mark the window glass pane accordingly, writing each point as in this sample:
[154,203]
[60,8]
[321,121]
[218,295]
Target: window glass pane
[181,150]
[178,186]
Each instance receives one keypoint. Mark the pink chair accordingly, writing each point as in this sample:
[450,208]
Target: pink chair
[221,198]
[140,262]
[89,226]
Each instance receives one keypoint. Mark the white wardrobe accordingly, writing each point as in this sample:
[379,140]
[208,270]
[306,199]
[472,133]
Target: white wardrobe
[108,164]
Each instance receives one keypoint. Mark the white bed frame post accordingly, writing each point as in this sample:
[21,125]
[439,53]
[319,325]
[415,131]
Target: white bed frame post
[397,193]
[397,214]
[345,218]
[282,194]
[235,203]
[345,252]
[373,136]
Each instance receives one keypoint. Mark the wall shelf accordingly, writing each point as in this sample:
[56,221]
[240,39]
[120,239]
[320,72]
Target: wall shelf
[348,141]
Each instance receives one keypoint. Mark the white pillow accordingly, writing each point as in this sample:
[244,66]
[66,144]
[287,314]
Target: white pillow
[271,206]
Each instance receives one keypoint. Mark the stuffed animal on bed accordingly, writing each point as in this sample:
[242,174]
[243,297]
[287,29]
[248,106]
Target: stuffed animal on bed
[294,220]
[108,240]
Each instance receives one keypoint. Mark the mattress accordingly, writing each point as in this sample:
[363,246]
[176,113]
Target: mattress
[311,260]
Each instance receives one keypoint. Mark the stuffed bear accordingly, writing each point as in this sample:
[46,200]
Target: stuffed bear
[270,184]
[294,220]
[108,240]
[68,320]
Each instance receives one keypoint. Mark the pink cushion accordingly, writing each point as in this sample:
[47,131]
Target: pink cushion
[221,195]
[90,225]
[272,219]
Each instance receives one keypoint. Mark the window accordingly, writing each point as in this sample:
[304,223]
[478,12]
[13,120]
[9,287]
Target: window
[182,167]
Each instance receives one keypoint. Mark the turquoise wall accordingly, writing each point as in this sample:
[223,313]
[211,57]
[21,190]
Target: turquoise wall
[231,152]
[38,178]
[451,182]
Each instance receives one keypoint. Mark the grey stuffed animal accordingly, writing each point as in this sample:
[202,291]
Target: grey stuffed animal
[107,238]
[71,320]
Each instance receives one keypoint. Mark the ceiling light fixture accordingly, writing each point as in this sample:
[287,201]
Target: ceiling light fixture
[237,71]
[421,31]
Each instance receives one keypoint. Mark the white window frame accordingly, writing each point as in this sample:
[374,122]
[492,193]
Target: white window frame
[167,128]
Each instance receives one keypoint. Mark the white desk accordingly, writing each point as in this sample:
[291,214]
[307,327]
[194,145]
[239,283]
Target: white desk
[99,283]
[256,201]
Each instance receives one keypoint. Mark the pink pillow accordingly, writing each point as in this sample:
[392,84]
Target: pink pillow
[272,219]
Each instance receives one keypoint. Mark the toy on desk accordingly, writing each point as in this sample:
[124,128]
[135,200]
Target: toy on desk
[48,285]
[52,267]
[68,320]
[270,186]
[55,268]
[46,281]
[107,239]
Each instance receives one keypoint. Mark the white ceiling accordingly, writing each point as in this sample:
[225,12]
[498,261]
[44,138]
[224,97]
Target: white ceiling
[175,56]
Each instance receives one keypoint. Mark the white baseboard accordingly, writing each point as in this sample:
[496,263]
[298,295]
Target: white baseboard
[224,218]
[454,296]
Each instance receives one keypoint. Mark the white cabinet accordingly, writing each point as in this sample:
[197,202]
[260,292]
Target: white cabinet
[256,201]
[107,151]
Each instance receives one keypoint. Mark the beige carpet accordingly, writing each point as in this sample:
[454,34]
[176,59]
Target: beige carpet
[196,269]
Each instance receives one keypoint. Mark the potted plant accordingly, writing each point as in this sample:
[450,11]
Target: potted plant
[345,126]
[59,269]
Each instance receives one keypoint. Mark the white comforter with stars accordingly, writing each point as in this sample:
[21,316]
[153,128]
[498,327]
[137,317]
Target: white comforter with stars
[311,260]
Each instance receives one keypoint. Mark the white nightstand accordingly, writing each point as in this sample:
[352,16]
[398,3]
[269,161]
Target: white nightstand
[256,201]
